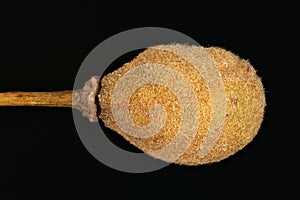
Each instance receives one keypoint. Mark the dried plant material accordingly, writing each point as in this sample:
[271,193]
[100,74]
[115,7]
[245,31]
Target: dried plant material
[178,103]
[184,104]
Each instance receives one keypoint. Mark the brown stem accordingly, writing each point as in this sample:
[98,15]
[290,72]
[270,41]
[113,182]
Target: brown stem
[50,99]
[84,99]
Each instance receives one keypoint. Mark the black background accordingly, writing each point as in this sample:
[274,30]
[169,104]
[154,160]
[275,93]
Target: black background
[43,45]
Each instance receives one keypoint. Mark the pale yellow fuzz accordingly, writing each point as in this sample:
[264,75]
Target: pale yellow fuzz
[225,103]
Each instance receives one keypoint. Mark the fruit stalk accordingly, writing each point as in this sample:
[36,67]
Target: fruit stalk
[83,99]
[48,99]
